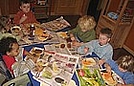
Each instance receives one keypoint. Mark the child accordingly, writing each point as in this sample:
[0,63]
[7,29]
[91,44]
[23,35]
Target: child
[124,67]
[100,46]
[9,49]
[5,24]
[84,31]
[24,16]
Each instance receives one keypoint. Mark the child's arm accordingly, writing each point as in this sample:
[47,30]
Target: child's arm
[22,19]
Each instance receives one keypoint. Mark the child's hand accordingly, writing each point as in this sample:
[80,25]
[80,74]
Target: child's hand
[108,68]
[23,18]
[86,50]
[101,62]
[75,43]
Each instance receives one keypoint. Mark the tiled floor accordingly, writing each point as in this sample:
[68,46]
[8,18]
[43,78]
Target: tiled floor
[72,19]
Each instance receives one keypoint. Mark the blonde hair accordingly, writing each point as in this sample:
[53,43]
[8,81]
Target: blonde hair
[87,22]
[126,62]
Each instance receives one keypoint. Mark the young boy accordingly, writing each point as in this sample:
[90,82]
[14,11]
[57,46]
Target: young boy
[9,49]
[100,46]
[84,31]
[25,15]
[123,67]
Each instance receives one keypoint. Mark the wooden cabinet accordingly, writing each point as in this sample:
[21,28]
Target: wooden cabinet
[129,42]
[9,6]
[55,7]
[70,7]
[42,11]
[117,15]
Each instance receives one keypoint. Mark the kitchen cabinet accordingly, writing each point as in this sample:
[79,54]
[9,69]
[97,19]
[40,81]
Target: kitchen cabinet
[9,7]
[53,7]
[118,16]
[129,42]
[42,11]
[70,7]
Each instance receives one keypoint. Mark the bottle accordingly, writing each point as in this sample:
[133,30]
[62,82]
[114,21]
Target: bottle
[32,28]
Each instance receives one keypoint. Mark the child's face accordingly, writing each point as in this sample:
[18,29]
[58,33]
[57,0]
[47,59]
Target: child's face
[25,7]
[103,39]
[15,50]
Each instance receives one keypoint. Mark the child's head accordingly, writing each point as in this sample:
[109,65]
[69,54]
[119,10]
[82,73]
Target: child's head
[105,36]
[4,22]
[86,23]
[25,6]
[126,63]
[9,46]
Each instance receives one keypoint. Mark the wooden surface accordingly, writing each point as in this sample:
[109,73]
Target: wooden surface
[129,43]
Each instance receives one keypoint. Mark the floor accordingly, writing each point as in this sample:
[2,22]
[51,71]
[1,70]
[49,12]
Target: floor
[72,19]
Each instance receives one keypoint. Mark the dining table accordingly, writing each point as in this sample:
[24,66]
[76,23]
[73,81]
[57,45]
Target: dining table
[41,45]
[56,43]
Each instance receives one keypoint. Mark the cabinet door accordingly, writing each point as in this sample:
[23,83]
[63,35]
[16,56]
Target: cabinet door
[69,7]
[13,6]
[129,43]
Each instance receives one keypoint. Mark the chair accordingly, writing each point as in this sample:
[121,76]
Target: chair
[16,81]
[5,74]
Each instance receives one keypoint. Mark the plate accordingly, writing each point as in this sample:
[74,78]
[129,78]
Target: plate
[37,51]
[111,79]
[88,62]
[62,34]
[15,30]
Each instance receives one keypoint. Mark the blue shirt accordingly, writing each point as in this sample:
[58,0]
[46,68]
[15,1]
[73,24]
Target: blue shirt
[128,77]
[104,52]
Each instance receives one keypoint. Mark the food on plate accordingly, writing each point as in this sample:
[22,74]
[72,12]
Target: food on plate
[42,38]
[81,72]
[62,34]
[88,62]
[41,34]
[36,51]
[38,68]
[39,31]
[108,78]
[15,30]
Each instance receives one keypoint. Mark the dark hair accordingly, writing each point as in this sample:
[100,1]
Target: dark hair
[6,44]
[126,62]
[107,32]
[24,2]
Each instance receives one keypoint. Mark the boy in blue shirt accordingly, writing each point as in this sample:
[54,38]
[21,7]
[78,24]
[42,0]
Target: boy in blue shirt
[101,46]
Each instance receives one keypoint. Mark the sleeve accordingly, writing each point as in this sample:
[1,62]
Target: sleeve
[74,30]
[129,78]
[108,54]
[17,18]
[33,18]
[81,48]
[112,64]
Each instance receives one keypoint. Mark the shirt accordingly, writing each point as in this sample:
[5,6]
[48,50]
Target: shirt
[83,36]
[128,77]
[30,17]
[9,61]
[104,52]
